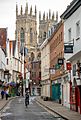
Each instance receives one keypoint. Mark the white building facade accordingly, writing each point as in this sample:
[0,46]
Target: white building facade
[2,64]
[45,64]
[72,36]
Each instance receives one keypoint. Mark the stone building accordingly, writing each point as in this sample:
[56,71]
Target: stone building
[47,22]
[3,38]
[56,61]
[26,28]
[26,36]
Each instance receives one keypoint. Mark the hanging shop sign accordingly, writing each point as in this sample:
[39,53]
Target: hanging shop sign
[68,48]
[52,71]
[6,72]
[60,61]
[68,66]
[57,66]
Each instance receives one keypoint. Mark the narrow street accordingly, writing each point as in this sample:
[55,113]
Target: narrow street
[16,110]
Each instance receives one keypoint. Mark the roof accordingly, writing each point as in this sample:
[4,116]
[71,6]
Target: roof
[74,5]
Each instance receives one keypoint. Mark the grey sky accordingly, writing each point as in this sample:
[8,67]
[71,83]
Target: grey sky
[7,10]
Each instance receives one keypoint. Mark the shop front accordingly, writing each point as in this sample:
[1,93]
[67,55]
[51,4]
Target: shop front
[56,92]
[75,97]
[45,89]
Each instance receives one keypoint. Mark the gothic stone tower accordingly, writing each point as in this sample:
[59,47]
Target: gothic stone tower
[26,28]
[45,24]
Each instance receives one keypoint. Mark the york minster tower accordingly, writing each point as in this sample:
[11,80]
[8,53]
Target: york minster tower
[26,28]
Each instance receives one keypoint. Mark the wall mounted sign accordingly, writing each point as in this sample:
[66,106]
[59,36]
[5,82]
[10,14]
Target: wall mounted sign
[68,65]
[60,61]
[68,48]
[52,71]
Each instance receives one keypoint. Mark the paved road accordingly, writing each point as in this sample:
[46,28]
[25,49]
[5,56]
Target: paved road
[16,110]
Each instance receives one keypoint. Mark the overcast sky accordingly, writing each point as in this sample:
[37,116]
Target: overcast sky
[7,11]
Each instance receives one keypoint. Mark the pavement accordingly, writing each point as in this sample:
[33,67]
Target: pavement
[52,106]
[4,102]
[57,108]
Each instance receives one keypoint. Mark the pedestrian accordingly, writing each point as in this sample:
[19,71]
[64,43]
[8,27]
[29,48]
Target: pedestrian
[2,94]
[7,95]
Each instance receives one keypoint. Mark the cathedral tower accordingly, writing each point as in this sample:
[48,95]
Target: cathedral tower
[26,28]
[45,23]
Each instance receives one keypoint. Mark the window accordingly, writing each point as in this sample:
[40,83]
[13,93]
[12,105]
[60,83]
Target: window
[7,61]
[61,36]
[39,74]
[32,56]
[44,36]
[39,64]
[33,74]
[77,29]
[33,65]
[31,35]
[51,30]
[22,35]
[69,34]
[49,33]
[74,70]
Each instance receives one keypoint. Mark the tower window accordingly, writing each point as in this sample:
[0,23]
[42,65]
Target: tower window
[22,35]
[31,35]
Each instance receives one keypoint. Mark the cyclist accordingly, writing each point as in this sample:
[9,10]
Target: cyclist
[27,98]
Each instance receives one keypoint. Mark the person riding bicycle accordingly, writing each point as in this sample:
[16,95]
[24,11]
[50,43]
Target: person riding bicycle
[27,98]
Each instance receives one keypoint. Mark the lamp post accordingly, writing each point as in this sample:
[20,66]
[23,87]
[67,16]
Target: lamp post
[23,70]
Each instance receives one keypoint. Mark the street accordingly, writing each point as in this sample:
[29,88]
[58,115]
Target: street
[16,110]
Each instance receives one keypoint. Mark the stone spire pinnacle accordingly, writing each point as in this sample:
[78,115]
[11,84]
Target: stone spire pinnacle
[53,16]
[31,10]
[39,15]
[44,16]
[35,11]
[47,17]
[21,10]
[49,14]
[16,10]
[26,9]
[57,16]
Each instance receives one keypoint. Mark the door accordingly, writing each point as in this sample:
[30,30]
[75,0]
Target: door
[56,92]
